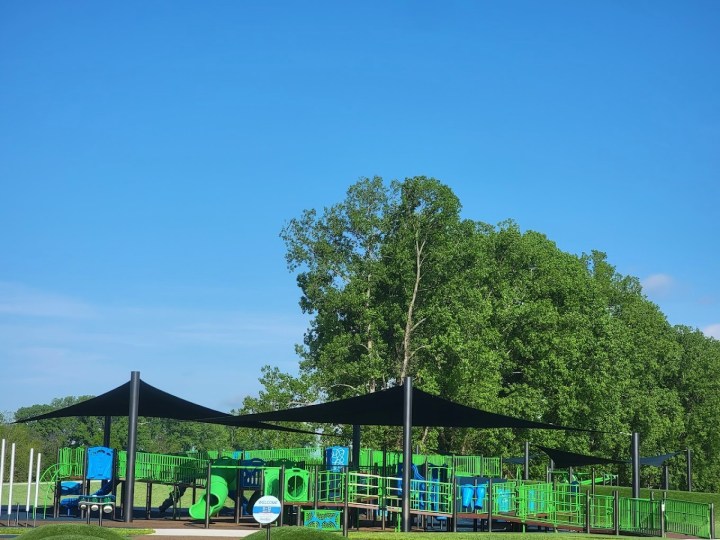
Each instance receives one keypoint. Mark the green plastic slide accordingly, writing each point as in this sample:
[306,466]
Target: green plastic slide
[222,481]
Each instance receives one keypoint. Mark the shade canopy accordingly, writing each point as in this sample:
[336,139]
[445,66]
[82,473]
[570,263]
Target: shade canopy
[519,460]
[657,461]
[564,459]
[154,403]
[385,408]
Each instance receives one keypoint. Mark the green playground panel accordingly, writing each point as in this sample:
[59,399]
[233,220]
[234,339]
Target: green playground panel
[309,456]
[71,462]
[328,520]
[640,516]
[465,465]
[534,500]
[331,487]
[602,512]
[688,518]
[163,468]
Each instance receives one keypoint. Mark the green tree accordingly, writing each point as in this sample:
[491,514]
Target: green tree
[281,391]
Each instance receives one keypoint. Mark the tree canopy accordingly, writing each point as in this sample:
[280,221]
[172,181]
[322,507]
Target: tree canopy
[397,283]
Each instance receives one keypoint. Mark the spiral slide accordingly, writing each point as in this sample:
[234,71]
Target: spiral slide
[222,481]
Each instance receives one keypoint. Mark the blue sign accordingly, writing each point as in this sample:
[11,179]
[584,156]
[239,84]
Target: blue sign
[266,509]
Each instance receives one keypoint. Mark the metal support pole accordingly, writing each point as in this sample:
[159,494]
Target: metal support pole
[356,448]
[616,512]
[526,470]
[317,487]
[454,500]
[128,502]
[712,520]
[208,483]
[490,504]
[106,431]
[689,469]
[588,510]
[662,518]
[238,495]
[592,481]
[346,507]
[666,477]
[282,495]
[635,465]
[407,454]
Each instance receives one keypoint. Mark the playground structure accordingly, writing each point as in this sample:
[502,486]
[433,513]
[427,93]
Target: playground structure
[318,488]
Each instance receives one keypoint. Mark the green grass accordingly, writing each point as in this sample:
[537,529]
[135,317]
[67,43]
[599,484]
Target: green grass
[61,532]
[121,531]
[291,533]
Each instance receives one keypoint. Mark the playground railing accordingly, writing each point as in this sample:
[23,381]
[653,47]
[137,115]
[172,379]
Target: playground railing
[309,456]
[504,498]
[535,501]
[687,518]
[467,465]
[331,487]
[602,512]
[163,468]
[640,516]
[569,506]
[365,489]
[71,462]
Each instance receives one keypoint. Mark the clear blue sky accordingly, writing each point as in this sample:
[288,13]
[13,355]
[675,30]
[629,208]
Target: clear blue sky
[150,153]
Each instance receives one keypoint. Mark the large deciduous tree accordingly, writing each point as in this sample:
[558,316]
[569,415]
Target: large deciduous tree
[398,284]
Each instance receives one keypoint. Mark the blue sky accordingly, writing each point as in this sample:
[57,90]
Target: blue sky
[150,153]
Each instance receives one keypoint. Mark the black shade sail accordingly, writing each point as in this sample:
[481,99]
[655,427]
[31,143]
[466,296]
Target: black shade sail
[657,461]
[519,460]
[385,408]
[564,459]
[153,403]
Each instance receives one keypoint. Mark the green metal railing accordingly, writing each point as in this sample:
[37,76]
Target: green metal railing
[640,516]
[688,518]
[331,487]
[602,512]
[163,468]
[309,456]
[71,462]
[535,501]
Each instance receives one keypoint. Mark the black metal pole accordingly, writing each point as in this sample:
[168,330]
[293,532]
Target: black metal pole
[208,487]
[666,477]
[356,447]
[106,431]
[407,453]
[635,465]
[526,461]
[132,443]
[616,512]
[689,469]
[346,501]
[490,504]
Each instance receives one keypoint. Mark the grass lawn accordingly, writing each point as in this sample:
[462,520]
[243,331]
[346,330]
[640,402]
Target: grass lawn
[292,533]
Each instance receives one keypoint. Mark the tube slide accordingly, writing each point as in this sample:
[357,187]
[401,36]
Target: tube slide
[221,481]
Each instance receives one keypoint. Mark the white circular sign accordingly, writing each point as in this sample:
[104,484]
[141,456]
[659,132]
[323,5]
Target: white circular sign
[266,509]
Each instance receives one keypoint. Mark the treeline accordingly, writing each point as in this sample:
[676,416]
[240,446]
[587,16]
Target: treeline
[397,283]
